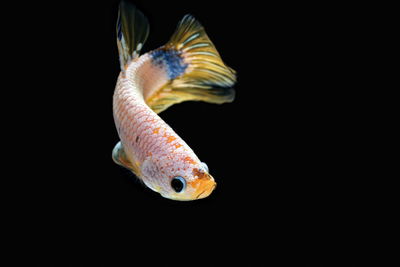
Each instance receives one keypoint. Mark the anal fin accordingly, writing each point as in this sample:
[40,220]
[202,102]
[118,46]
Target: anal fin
[119,156]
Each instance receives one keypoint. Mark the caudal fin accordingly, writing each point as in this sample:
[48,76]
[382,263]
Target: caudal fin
[195,69]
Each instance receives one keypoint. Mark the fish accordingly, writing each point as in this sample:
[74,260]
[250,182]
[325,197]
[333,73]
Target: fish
[187,68]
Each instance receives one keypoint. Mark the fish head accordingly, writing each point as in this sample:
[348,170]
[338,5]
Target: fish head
[198,185]
[186,182]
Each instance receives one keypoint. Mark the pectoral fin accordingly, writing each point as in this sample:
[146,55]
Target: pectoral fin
[119,156]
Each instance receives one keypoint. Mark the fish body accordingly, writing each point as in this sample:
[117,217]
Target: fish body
[187,68]
[150,144]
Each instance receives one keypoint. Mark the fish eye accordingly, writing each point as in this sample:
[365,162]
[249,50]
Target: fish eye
[178,184]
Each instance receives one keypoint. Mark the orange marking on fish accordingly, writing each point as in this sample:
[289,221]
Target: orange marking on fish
[156,130]
[199,173]
[200,183]
[177,145]
[170,139]
[195,183]
[189,160]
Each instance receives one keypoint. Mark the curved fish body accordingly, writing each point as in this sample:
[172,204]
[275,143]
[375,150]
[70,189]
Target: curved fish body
[152,148]
[188,67]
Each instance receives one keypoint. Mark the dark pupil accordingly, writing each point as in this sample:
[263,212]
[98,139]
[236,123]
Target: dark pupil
[177,185]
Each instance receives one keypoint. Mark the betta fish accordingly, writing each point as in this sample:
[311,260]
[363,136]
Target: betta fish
[187,68]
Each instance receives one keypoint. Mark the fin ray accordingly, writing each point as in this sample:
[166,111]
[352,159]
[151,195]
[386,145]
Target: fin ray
[132,32]
[206,77]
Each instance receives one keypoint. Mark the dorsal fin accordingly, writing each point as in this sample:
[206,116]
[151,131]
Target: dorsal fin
[132,32]
[197,71]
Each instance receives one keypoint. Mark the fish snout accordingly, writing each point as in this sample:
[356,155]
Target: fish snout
[205,189]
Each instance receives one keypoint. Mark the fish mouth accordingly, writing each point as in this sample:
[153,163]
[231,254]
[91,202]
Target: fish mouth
[207,191]
[200,194]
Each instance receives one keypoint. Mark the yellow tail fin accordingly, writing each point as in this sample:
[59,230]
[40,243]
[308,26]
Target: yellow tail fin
[196,70]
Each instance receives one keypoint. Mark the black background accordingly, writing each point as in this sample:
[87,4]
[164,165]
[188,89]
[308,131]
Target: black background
[276,151]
